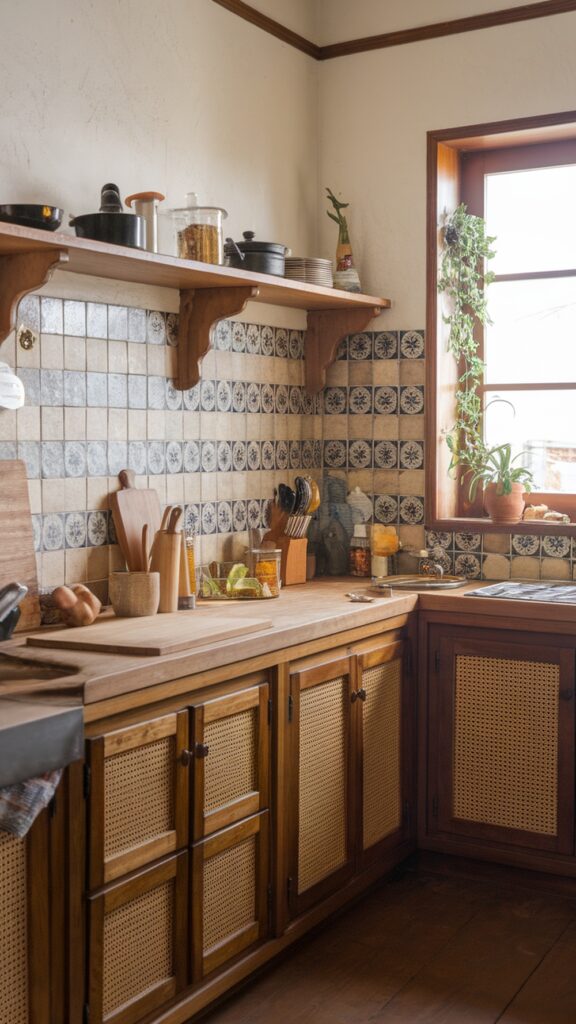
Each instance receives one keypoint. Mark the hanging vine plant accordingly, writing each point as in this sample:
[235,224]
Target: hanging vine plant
[462,280]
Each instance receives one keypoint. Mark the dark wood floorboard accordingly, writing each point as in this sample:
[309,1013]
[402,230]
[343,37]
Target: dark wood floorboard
[426,949]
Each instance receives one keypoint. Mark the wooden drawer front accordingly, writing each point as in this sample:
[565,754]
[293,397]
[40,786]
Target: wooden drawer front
[324,782]
[137,936]
[231,766]
[139,796]
[506,743]
[14,978]
[229,893]
[381,749]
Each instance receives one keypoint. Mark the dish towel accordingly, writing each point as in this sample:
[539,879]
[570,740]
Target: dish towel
[21,803]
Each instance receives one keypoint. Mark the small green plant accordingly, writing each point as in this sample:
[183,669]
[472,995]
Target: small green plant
[497,467]
[338,217]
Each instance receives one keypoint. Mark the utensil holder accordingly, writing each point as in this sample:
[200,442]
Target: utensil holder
[293,560]
[134,593]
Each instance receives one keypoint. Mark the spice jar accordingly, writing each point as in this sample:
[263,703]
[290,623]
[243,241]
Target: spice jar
[359,557]
[266,562]
[199,231]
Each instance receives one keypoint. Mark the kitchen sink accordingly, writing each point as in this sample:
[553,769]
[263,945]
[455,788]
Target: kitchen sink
[419,581]
[523,590]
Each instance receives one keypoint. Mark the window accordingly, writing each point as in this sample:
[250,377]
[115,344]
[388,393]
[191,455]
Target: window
[527,195]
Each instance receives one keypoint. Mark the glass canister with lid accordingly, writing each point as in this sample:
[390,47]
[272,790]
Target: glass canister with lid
[199,231]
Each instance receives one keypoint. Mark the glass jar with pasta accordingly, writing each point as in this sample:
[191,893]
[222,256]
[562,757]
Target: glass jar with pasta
[199,231]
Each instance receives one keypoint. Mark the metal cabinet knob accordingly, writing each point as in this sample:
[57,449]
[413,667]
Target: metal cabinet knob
[200,750]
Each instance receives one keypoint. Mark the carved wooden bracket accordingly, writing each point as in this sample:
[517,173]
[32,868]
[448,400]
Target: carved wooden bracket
[22,273]
[326,329]
[200,309]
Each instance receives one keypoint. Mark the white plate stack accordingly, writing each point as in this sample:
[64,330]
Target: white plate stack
[310,269]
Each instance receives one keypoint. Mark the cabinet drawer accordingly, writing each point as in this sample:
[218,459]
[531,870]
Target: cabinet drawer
[137,943]
[231,759]
[138,796]
[230,879]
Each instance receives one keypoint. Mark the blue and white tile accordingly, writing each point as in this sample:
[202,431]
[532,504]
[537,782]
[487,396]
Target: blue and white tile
[31,381]
[207,395]
[118,390]
[556,547]
[295,345]
[252,340]
[191,456]
[253,397]
[385,400]
[136,325]
[411,399]
[75,458]
[192,519]
[173,397]
[191,398]
[51,315]
[464,540]
[224,456]
[239,396]
[295,400]
[75,530]
[282,458]
[267,340]
[137,457]
[29,313]
[360,401]
[412,344]
[253,455]
[360,346]
[238,337]
[155,327]
[239,462]
[29,452]
[411,510]
[52,387]
[75,318]
[239,516]
[137,391]
[223,396]
[118,456]
[267,398]
[295,455]
[174,457]
[267,455]
[411,454]
[208,517]
[224,515]
[52,459]
[359,454]
[525,544]
[307,454]
[281,342]
[97,529]
[282,399]
[156,457]
[118,323]
[335,454]
[156,393]
[53,532]
[386,509]
[469,565]
[335,401]
[8,450]
[208,460]
[37,526]
[172,326]
[253,514]
[386,345]
[223,336]
[385,454]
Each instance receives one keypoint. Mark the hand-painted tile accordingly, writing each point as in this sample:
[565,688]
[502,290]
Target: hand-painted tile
[267,398]
[155,327]
[239,456]
[282,399]
[295,345]
[223,396]
[411,510]
[239,516]
[239,396]
[386,509]
[281,342]
[254,514]
[75,530]
[191,456]
[172,325]
[208,517]
[411,399]
[282,459]
[137,457]
[335,401]
[224,515]
[267,340]
[360,346]
[385,400]
[359,454]
[386,345]
[385,454]
[307,454]
[253,397]
[360,401]
[173,397]
[97,529]
[192,519]
[308,404]
[75,458]
[468,565]
[526,544]
[208,456]
[174,458]
[223,336]
[53,532]
[238,337]
[411,454]
[295,401]
[556,547]
[435,538]
[191,398]
[335,454]
[156,457]
[207,395]
[466,541]
[252,340]
[224,456]
[412,344]
[295,455]
[267,455]
[253,455]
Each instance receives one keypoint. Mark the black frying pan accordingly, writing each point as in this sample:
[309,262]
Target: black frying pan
[32,215]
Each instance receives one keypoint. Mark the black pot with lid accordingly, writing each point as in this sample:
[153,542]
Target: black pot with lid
[250,254]
[111,223]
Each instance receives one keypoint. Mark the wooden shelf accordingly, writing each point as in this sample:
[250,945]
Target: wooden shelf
[207,293]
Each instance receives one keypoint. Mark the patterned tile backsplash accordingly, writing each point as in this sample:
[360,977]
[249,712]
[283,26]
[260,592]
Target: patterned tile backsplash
[100,397]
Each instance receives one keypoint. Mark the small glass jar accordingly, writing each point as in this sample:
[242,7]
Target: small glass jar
[199,231]
[266,569]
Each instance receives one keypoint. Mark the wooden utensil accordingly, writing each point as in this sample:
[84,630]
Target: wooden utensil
[145,552]
[132,507]
[17,558]
[166,554]
[151,635]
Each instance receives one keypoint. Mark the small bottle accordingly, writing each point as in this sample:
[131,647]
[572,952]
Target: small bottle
[190,545]
[359,560]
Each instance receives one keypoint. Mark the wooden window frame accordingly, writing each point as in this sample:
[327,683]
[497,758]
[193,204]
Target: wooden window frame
[452,155]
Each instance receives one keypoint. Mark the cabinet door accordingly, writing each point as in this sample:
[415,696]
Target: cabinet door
[384,749]
[24,928]
[321,784]
[137,943]
[230,881]
[231,759]
[138,796]
[502,741]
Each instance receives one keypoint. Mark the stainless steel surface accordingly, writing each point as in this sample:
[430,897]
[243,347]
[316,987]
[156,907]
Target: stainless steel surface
[417,581]
[551,592]
[37,737]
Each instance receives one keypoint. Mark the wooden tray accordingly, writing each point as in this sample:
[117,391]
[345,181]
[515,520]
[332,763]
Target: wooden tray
[150,635]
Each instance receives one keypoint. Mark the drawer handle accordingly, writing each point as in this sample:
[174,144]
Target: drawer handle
[200,750]
[358,695]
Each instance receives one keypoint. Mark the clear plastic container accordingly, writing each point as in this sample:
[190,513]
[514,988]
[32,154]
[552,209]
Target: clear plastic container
[265,564]
[199,233]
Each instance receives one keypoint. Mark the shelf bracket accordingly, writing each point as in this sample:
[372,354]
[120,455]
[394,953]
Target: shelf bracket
[22,273]
[200,310]
[326,329]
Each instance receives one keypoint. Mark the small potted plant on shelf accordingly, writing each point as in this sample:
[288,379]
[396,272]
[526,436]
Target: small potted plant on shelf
[503,483]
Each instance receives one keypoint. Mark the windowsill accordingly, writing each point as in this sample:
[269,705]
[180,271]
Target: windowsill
[535,527]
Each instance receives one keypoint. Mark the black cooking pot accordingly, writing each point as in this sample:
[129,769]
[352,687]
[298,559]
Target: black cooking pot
[111,224]
[261,257]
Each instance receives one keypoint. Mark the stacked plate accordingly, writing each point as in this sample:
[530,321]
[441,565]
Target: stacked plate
[309,269]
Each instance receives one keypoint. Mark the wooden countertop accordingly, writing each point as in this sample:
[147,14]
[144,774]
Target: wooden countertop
[301,615]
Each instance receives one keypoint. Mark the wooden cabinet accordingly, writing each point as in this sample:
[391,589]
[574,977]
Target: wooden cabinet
[24,926]
[350,766]
[501,739]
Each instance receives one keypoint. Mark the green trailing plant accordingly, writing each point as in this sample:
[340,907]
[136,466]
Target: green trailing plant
[338,217]
[462,280]
[498,468]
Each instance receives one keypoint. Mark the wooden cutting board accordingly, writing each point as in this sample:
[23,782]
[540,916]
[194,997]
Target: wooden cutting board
[17,558]
[132,508]
[150,635]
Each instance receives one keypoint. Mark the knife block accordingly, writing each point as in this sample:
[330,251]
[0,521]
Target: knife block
[293,558]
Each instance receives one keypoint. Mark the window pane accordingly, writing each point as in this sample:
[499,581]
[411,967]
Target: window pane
[533,215]
[543,425]
[533,336]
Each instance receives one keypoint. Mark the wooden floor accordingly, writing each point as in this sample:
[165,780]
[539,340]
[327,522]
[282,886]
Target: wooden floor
[426,949]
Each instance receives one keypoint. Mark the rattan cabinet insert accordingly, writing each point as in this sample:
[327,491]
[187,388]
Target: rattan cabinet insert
[501,736]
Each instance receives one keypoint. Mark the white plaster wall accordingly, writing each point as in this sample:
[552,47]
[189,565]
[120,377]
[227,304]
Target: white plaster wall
[375,110]
[300,16]
[172,96]
[338,20]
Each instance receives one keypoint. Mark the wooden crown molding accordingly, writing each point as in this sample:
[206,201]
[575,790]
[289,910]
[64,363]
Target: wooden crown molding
[507,16]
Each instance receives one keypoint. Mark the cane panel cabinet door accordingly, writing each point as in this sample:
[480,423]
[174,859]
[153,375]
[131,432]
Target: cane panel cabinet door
[138,809]
[382,691]
[24,926]
[230,758]
[137,942]
[502,739]
[321,786]
[230,893]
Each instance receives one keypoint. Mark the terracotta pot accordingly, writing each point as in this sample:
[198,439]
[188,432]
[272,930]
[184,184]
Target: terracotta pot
[504,508]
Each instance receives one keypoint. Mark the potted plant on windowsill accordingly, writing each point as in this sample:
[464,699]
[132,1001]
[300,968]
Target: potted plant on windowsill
[503,483]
